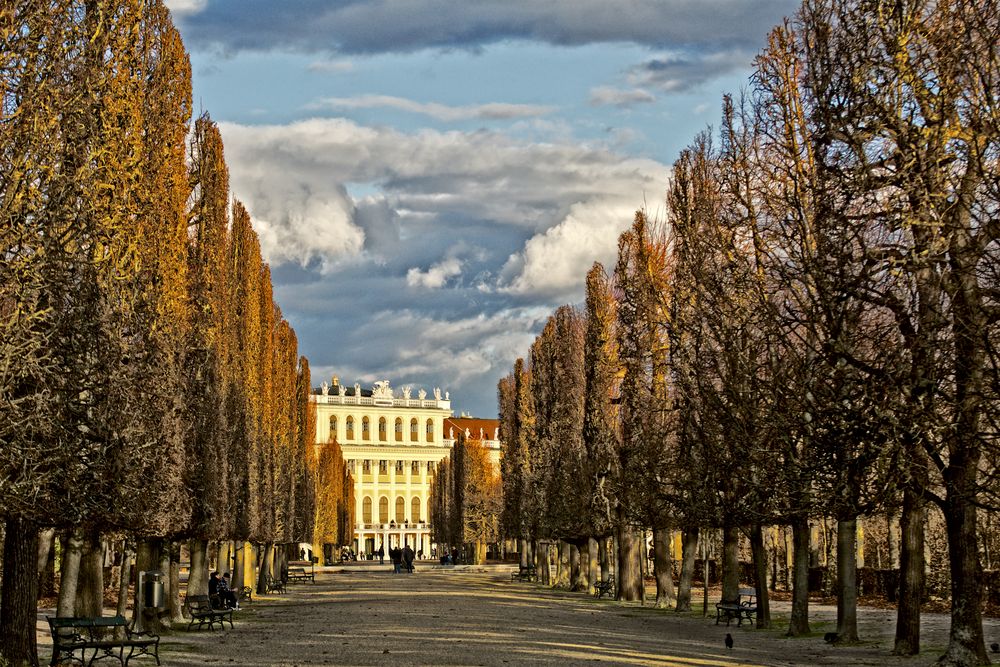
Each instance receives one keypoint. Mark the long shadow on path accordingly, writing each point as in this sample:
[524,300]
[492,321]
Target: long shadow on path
[455,617]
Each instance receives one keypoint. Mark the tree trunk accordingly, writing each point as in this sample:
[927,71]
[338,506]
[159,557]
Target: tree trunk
[630,583]
[90,586]
[240,564]
[789,556]
[604,556]
[19,593]
[730,565]
[541,551]
[892,539]
[224,563]
[480,552]
[706,573]
[265,568]
[145,554]
[689,553]
[173,572]
[594,564]
[522,555]
[911,574]
[563,573]
[966,646]
[198,574]
[759,551]
[847,581]
[663,568]
[45,540]
[69,573]
[798,623]
[578,562]
[124,580]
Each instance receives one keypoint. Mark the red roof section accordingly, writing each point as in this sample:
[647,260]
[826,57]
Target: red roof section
[460,424]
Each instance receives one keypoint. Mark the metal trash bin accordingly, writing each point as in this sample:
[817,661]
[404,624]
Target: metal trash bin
[152,590]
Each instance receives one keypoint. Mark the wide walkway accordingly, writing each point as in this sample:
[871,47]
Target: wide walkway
[473,616]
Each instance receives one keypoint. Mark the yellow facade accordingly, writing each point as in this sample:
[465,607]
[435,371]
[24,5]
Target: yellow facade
[392,443]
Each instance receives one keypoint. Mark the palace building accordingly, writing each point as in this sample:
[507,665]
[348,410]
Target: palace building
[392,443]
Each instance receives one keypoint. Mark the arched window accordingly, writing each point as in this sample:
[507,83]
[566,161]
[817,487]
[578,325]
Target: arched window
[383,509]
[399,429]
[415,509]
[366,510]
[400,510]
[350,428]
[430,430]
[413,430]
[333,426]
[366,433]
[381,429]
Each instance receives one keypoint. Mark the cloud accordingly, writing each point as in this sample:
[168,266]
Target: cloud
[553,262]
[608,96]
[401,26]
[184,7]
[432,190]
[462,355]
[331,66]
[683,71]
[492,111]
[436,276]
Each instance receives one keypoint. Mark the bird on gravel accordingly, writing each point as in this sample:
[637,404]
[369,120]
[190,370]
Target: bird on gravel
[729,641]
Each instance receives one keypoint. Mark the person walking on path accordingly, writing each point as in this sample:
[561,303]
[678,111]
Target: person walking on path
[381,554]
[396,555]
[408,558]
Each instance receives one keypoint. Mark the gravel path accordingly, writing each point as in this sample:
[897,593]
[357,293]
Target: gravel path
[477,616]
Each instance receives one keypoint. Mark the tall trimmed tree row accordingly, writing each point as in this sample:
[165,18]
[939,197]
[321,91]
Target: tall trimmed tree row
[918,94]
[600,410]
[132,365]
[465,499]
[207,347]
[303,460]
[640,353]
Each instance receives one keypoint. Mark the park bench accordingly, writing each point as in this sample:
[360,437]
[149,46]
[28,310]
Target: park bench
[297,571]
[202,611]
[606,587]
[107,636]
[272,585]
[744,608]
[524,574]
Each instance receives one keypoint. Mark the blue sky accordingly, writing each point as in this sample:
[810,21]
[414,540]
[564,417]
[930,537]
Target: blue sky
[430,179]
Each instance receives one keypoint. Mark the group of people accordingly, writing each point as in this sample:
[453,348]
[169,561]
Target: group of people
[219,587]
[400,557]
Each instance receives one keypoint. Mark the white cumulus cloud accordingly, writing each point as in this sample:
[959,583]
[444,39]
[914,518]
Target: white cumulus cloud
[567,201]
[490,111]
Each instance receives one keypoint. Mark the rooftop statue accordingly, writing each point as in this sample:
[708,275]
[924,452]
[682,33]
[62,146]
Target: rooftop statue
[437,393]
[381,389]
[406,392]
[326,389]
[422,394]
[341,390]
